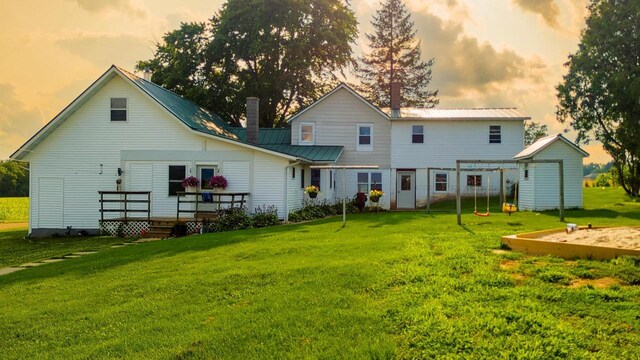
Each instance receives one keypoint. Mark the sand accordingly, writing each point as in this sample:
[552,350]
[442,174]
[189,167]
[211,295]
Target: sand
[617,237]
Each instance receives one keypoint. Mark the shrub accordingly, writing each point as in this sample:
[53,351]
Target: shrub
[231,219]
[315,210]
[264,216]
[603,180]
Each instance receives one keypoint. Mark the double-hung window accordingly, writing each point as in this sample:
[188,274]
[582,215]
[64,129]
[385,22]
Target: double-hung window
[364,141]
[118,109]
[495,134]
[369,181]
[177,173]
[307,134]
[417,134]
[315,177]
[441,182]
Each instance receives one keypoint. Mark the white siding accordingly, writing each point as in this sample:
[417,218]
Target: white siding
[546,178]
[526,189]
[295,191]
[336,119]
[238,175]
[50,202]
[268,185]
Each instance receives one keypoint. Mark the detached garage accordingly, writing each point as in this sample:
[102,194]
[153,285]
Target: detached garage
[539,183]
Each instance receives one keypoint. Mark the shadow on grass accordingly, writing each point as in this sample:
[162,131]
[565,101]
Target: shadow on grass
[116,257]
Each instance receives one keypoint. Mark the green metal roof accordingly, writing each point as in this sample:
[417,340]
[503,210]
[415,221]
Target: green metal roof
[207,122]
[190,113]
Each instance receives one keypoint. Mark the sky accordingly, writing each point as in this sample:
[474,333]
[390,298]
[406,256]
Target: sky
[488,53]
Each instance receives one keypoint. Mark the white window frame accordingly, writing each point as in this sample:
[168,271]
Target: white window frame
[436,182]
[199,168]
[364,147]
[169,180]
[369,183]
[126,109]
[313,133]
[499,133]
[413,133]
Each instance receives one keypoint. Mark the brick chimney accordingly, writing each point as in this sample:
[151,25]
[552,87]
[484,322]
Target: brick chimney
[395,96]
[253,119]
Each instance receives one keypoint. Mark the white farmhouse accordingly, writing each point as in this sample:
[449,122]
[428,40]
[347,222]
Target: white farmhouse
[539,183]
[126,134]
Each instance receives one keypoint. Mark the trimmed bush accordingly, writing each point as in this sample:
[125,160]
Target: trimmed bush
[265,215]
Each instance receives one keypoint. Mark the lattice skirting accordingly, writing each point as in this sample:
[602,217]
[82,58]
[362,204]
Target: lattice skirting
[120,228]
[123,229]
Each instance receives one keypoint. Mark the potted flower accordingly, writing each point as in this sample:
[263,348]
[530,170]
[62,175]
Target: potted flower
[312,191]
[190,184]
[219,182]
[375,195]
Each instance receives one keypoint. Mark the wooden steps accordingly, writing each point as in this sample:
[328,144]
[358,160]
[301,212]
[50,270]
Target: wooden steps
[160,228]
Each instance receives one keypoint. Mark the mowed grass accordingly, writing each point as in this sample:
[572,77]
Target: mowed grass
[388,285]
[14,209]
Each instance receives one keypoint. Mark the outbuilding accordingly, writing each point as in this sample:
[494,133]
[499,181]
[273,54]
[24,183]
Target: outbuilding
[539,182]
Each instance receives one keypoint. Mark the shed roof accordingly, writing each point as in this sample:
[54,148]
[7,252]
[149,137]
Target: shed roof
[456,114]
[545,142]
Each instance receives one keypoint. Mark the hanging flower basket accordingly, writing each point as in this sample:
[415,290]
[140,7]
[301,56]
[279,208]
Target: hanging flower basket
[218,182]
[375,195]
[190,181]
[312,191]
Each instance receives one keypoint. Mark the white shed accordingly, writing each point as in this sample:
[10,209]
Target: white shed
[538,188]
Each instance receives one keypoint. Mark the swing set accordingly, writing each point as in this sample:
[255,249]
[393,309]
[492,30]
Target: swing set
[507,207]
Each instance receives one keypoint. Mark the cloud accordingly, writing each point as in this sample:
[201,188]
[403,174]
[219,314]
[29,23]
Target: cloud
[106,49]
[18,121]
[464,64]
[548,9]
[121,6]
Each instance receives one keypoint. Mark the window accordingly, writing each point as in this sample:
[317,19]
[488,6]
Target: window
[495,134]
[330,179]
[441,182]
[205,174]
[315,177]
[118,109]
[369,181]
[417,134]
[176,175]
[526,171]
[302,178]
[365,138]
[307,133]
[293,173]
[474,180]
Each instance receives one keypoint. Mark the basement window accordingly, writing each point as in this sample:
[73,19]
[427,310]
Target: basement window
[118,109]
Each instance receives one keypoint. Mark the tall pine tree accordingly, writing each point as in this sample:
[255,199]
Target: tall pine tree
[395,57]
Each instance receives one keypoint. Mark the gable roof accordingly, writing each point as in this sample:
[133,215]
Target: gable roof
[339,87]
[192,115]
[545,142]
[456,114]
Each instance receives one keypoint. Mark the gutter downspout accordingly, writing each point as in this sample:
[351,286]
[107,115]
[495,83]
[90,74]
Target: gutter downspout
[286,188]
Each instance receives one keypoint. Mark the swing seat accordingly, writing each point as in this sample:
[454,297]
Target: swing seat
[481,214]
[509,208]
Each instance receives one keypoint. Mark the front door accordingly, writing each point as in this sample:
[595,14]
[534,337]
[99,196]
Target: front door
[406,190]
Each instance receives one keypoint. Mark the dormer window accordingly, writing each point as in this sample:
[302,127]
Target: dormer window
[307,134]
[118,109]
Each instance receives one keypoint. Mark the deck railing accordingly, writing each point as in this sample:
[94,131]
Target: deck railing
[218,200]
[125,201]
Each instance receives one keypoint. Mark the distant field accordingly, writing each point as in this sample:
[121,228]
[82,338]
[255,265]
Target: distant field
[14,209]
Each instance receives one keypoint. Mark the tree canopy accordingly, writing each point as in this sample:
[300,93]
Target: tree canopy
[287,53]
[14,179]
[600,94]
[395,57]
[534,131]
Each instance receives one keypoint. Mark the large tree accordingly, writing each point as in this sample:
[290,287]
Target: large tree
[600,95]
[395,56]
[14,179]
[534,131]
[285,52]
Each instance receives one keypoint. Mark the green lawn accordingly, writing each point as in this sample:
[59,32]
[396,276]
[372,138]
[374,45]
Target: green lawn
[14,209]
[389,285]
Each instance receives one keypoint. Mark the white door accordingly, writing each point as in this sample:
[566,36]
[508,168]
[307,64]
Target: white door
[406,190]
[50,203]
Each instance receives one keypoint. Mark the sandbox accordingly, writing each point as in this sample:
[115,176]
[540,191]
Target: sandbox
[594,243]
